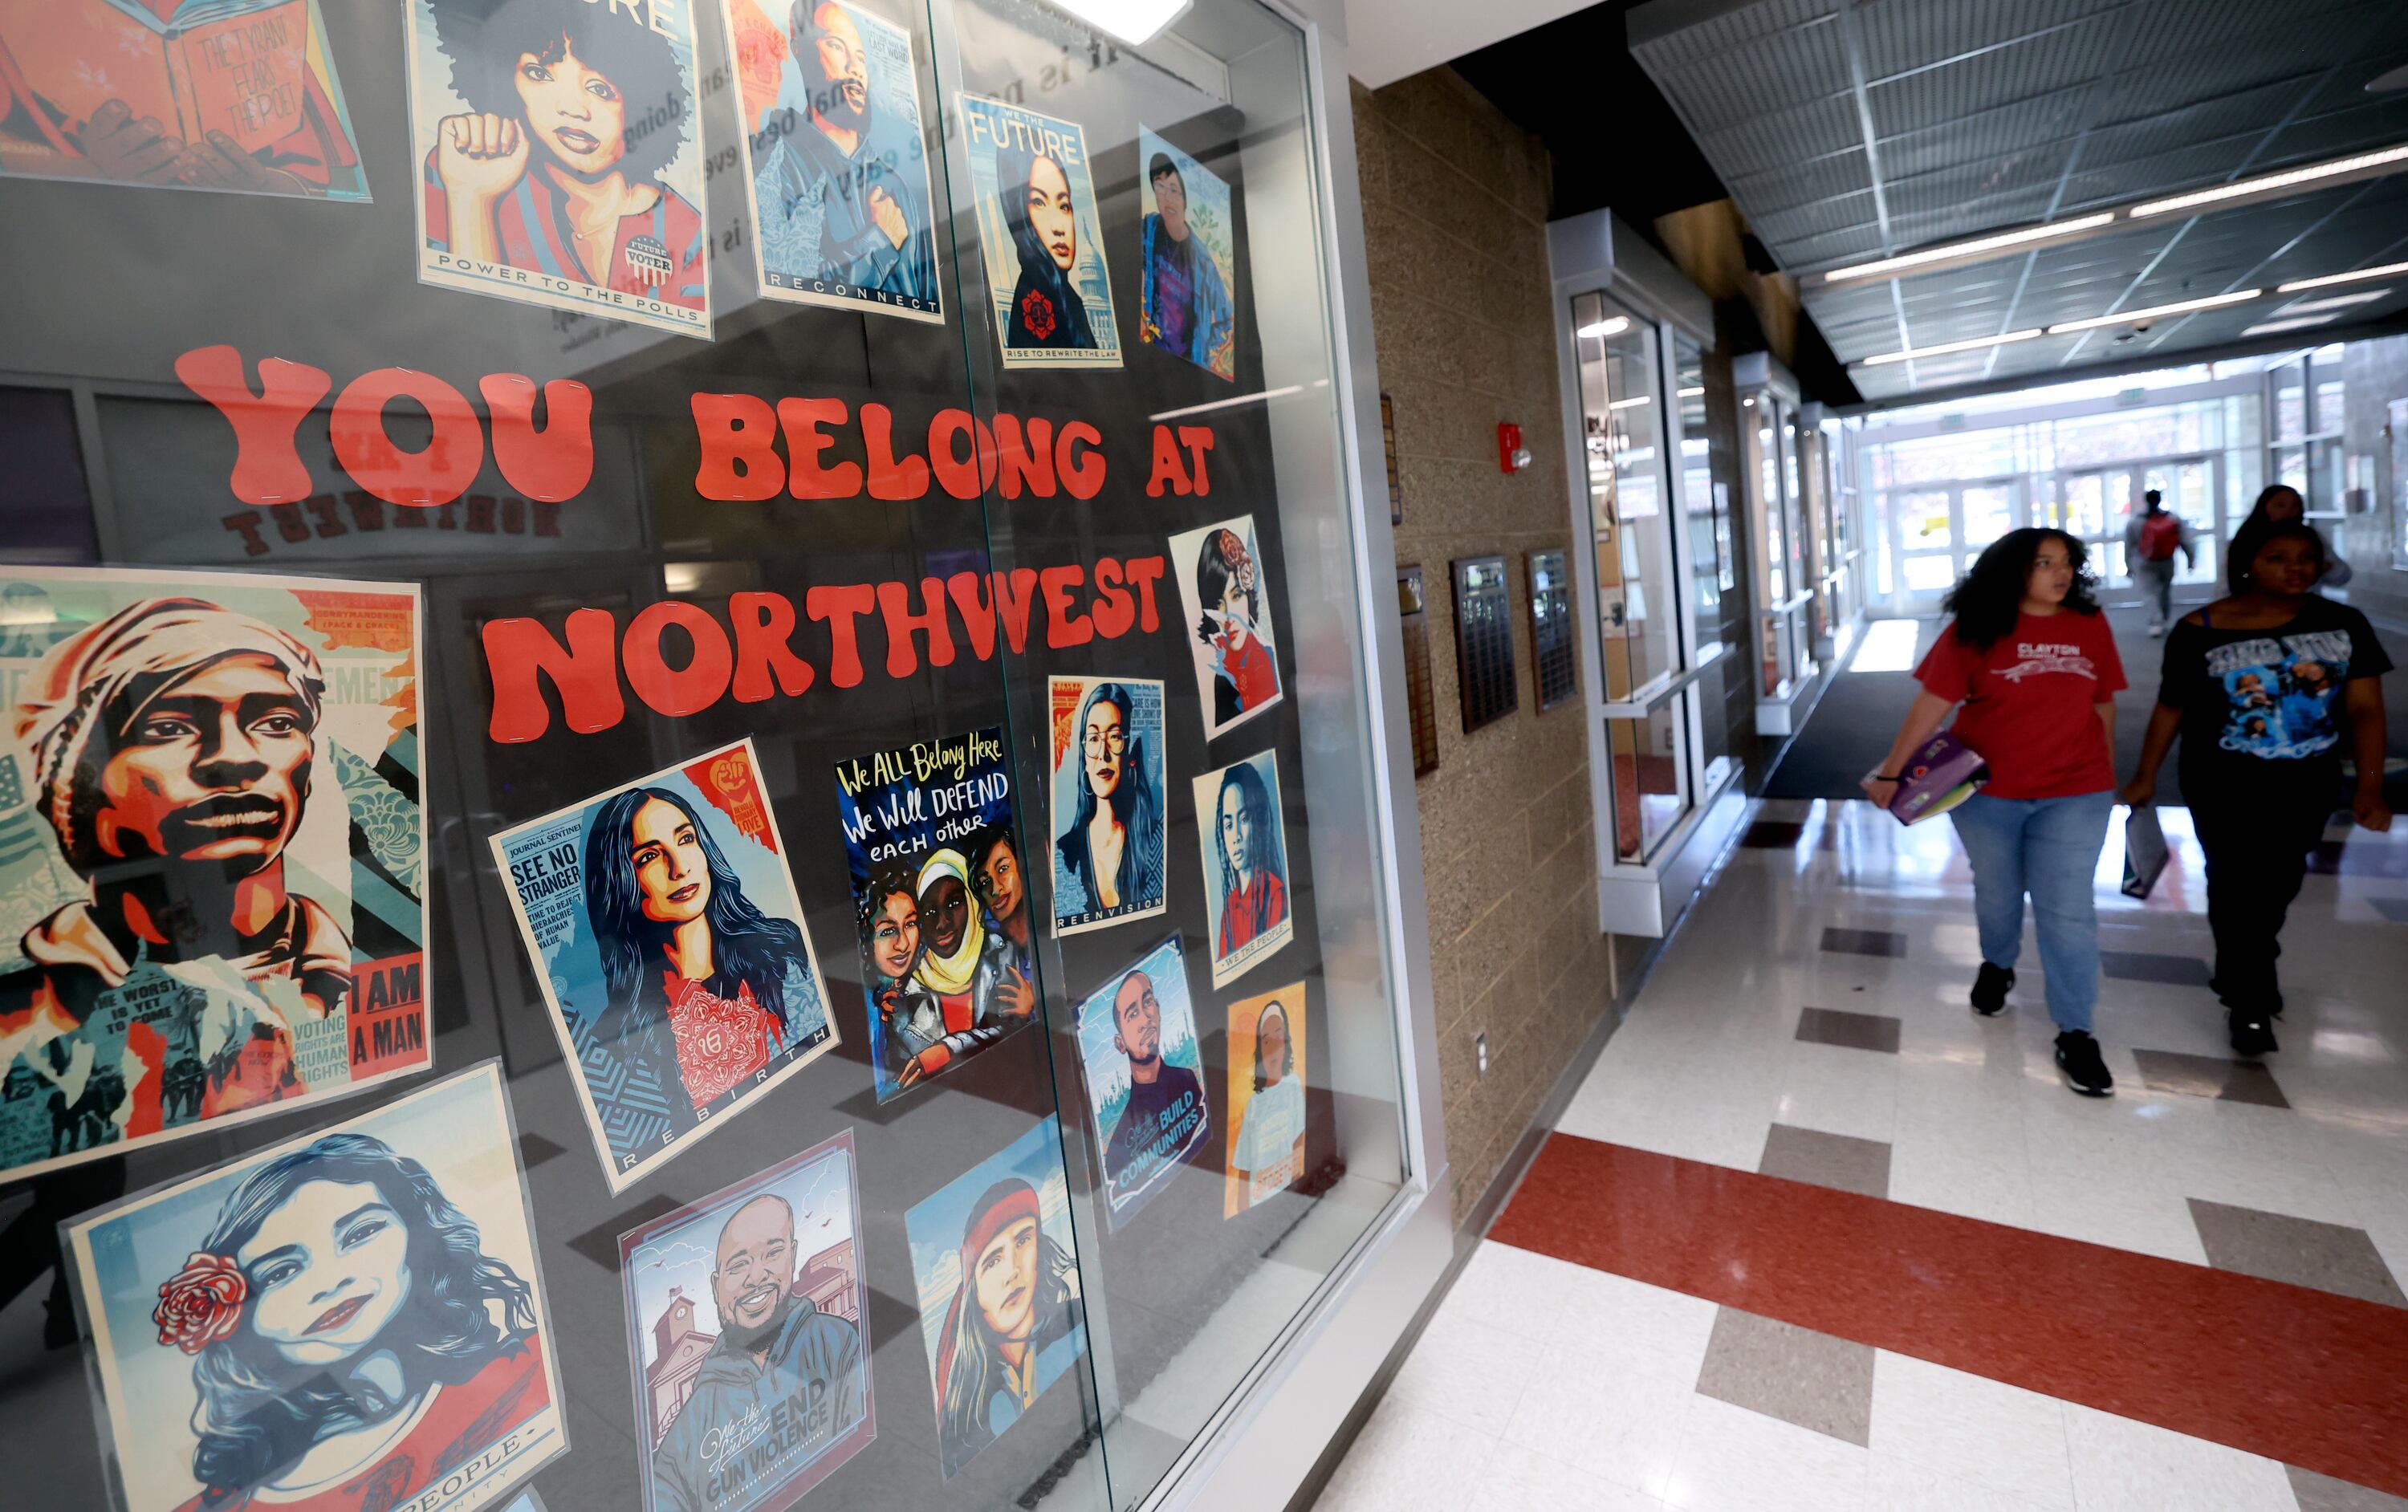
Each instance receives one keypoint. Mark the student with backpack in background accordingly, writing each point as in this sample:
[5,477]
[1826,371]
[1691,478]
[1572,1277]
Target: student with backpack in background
[2151,541]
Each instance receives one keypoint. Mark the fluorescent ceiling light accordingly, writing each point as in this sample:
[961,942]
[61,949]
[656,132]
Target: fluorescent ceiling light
[1612,326]
[2313,173]
[1687,393]
[2132,316]
[1632,403]
[2386,271]
[2304,307]
[1132,21]
[2269,328]
[1947,346]
[1974,247]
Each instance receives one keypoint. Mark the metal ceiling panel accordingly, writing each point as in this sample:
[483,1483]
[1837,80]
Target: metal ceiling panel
[1989,114]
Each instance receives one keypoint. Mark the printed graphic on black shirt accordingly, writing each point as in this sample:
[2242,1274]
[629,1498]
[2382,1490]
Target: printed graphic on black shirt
[1145,1076]
[2279,692]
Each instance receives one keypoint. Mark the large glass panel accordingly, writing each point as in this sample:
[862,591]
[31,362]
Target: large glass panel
[1650,779]
[1622,426]
[1710,562]
[769,567]
[1989,512]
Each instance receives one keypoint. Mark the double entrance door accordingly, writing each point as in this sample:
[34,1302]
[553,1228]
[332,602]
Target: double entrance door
[1938,532]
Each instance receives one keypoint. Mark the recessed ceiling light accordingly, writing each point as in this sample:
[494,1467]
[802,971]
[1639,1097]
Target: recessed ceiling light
[2387,271]
[2269,328]
[1973,248]
[1611,326]
[2134,317]
[2304,307]
[1947,346]
[1633,402]
[2389,159]
[1687,393]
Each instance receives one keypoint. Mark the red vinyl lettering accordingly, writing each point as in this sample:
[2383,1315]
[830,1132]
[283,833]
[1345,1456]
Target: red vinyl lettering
[268,468]
[1029,463]
[841,606]
[963,478]
[1167,468]
[765,629]
[1143,574]
[1198,439]
[556,463]
[1078,457]
[1013,598]
[519,653]
[806,477]
[247,525]
[739,453]
[890,478]
[1064,624]
[1114,609]
[677,691]
[894,602]
[971,600]
[438,475]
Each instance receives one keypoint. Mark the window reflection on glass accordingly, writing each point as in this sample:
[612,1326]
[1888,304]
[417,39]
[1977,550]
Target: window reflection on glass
[1622,426]
[1648,763]
[1709,531]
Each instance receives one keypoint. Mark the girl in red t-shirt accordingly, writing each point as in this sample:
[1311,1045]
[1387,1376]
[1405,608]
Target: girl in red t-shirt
[2033,664]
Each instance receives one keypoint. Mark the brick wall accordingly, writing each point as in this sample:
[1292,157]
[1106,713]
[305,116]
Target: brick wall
[1455,208]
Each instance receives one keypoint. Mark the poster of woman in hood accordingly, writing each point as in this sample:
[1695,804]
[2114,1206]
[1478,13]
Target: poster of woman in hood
[1041,237]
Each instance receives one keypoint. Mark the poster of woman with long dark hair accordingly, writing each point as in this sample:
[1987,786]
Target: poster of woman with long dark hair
[663,923]
[1245,863]
[999,1303]
[560,157]
[1041,238]
[1109,831]
[350,1321]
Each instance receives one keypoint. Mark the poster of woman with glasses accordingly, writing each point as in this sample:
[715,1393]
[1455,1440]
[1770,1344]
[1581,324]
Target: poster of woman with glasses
[1109,839]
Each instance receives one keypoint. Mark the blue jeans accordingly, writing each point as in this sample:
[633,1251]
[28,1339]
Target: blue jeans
[2048,848]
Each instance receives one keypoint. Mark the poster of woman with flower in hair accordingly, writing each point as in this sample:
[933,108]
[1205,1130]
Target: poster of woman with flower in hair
[348,1321]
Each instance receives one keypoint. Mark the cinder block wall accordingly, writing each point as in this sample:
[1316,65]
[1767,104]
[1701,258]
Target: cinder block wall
[1454,209]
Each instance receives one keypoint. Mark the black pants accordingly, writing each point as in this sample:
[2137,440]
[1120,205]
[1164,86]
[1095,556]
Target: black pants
[2256,820]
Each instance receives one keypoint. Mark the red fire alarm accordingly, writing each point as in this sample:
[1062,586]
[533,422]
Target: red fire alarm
[1512,455]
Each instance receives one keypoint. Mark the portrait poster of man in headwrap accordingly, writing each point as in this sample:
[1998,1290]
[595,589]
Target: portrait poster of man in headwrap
[835,156]
[211,852]
[947,939]
[663,923]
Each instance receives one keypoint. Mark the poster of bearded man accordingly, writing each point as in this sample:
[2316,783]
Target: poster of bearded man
[211,852]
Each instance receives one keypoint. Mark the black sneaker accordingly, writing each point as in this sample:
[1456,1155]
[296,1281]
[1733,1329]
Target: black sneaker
[1990,986]
[2078,1061]
[2252,1035]
[2273,1002]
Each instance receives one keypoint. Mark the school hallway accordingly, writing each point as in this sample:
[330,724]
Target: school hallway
[1812,1234]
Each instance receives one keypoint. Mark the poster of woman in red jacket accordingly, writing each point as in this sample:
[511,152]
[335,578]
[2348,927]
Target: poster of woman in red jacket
[1227,595]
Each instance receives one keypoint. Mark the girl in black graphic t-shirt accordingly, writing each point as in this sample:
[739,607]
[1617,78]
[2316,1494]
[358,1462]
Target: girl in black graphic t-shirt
[2261,688]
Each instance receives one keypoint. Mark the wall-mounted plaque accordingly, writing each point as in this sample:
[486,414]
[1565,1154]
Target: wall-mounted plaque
[1552,664]
[1483,640]
[1388,442]
[1414,615]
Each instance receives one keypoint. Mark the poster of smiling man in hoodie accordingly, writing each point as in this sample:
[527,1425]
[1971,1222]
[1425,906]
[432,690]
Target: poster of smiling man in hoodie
[752,1356]
[210,852]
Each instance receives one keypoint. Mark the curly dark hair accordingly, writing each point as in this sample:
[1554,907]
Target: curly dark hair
[485,38]
[259,1413]
[889,879]
[2255,535]
[1991,593]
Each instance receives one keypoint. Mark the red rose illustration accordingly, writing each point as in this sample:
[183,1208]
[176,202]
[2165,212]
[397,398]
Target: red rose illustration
[202,1303]
[1037,314]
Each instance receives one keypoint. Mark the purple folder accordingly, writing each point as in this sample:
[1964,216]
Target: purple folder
[1941,773]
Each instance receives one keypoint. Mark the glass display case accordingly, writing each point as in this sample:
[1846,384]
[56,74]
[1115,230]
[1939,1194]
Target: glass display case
[696,815]
[1780,530]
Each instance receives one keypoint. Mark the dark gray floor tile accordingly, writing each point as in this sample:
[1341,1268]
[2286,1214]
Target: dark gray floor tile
[2329,1257]
[1794,1374]
[2208,1076]
[2395,909]
[2323,1493]
[1864,941]
[1827,1160]
[2148,966]
[1772,835]
[1849,1030]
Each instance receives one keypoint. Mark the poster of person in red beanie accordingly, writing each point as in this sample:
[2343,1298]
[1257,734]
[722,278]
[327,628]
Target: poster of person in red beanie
[211,852]
[999,1304]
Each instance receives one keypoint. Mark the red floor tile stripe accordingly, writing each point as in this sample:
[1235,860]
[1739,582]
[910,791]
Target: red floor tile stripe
[2308,1378]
